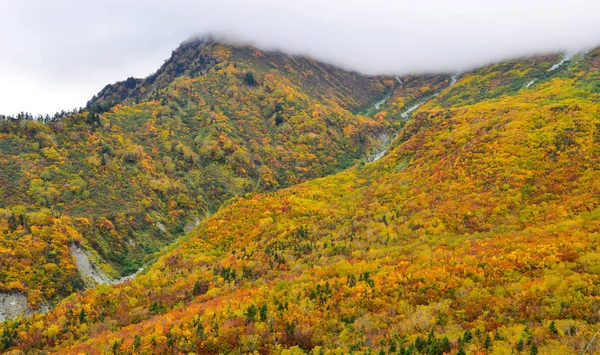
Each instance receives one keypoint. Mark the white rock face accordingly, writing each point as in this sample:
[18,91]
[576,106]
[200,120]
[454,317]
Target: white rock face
[14,304]
[90,273]
[385,139]
[406,114]
[161,227]
[380,103]
[565,58]
[384,142]
[192,225]
[125,278]
[453,79]
[378,156]
[530,83]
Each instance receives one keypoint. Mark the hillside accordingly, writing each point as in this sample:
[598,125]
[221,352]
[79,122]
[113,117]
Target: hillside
[150,158]
[477,232]
[198,57]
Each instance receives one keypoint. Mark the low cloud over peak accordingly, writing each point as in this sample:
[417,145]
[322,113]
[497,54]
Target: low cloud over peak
[57,54]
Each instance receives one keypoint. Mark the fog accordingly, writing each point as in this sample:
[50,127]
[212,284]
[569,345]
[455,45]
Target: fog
[57,54]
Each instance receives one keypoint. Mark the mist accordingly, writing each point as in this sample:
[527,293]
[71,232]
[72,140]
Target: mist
[56,55]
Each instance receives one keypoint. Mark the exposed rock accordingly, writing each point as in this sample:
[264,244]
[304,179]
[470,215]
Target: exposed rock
[125,278]
[161,227]
[90,273]
[567,57]
[380,103]
[192,225]
[14,304]
[408,111]
[529,83]
[453,79]
[384,142]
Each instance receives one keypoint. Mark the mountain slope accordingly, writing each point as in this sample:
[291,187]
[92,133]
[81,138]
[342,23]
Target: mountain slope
[197,57]
[477,232]
[126,179]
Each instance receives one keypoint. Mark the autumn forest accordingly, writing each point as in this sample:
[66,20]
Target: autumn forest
[242,201]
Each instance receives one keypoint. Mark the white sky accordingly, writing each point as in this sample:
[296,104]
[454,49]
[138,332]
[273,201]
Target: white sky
[57,54]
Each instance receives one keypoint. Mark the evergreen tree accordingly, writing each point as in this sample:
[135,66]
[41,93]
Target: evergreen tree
[534,349]
[552,328]
[82,316]
[250,79]
[520,345]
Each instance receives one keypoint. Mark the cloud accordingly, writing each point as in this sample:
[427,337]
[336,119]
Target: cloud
[57,54]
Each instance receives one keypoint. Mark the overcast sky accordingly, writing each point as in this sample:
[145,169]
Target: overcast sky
[56,54]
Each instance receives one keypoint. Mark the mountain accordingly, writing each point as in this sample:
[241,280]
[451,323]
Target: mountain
[476,230]
[198,57]
[97,195]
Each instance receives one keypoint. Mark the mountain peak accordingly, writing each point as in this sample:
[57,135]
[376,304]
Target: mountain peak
[190,57]
[198,55]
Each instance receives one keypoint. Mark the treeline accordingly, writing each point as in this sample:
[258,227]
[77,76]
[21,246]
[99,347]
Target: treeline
[27,116]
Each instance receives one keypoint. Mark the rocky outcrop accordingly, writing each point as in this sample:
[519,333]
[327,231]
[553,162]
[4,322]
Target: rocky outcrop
[192,225]
[384,141]
[90,273]
[15,304]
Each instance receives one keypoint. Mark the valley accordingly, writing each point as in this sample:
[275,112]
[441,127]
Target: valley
[246,201]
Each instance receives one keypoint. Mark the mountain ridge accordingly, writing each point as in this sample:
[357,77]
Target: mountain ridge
[475,233]
[196,56]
